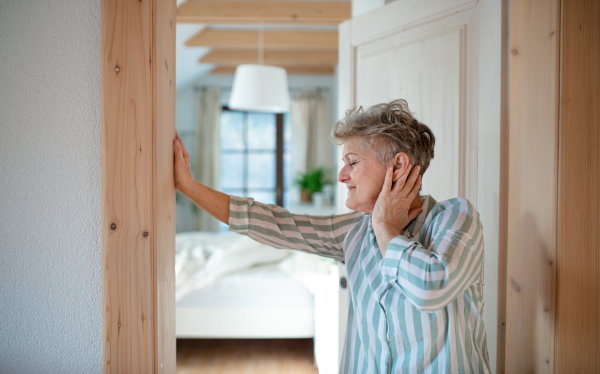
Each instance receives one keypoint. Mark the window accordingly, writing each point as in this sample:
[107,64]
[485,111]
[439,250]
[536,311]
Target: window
[255,155]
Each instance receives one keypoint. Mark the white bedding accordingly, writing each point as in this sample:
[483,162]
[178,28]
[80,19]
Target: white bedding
[262,302]
[230,286]
[260,287]
[202,258]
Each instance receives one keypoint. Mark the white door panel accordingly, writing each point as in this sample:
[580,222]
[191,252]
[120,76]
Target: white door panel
[426,73]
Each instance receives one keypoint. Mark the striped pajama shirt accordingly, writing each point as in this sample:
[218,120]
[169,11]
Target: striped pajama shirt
[419,308]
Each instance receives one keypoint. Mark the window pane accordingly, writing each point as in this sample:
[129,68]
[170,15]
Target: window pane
[232,170]
[287,132]
[264,197]
[233,191]
[261,131]
[287,169]
[286,198]
[231,130]
[261,170]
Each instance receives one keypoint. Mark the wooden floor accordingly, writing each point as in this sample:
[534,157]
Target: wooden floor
[245,356]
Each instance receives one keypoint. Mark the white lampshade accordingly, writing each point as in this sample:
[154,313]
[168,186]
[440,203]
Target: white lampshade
[260,88]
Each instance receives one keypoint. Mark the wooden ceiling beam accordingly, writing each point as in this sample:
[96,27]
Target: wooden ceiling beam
[265,11]
[277,58]
[273,39]
[291,70]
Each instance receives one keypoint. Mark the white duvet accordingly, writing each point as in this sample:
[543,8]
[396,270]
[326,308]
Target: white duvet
[203,257]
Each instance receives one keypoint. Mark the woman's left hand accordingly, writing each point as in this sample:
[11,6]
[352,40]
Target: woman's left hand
[392,211]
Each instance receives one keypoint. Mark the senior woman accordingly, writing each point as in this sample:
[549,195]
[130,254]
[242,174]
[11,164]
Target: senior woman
[415,265]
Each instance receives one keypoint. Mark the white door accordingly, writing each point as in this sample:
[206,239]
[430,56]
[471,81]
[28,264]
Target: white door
[444,58]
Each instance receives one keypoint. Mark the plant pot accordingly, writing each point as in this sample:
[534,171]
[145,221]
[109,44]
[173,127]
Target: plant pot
[305,197]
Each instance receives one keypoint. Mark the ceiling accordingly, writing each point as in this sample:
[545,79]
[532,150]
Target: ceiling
[214,36]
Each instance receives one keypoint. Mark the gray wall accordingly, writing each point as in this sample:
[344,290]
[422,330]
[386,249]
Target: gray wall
[50,234]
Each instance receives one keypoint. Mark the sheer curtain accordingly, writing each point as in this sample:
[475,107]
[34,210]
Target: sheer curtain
[311,127]
[207,153]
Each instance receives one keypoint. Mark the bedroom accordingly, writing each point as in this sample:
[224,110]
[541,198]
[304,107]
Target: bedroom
[232,291]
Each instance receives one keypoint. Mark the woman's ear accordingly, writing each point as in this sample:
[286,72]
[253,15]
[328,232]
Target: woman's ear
[401,163]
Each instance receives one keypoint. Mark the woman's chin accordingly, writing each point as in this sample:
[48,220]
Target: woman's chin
[358,207]
[350,204]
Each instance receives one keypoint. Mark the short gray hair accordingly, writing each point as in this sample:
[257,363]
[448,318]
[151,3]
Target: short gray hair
[388,129]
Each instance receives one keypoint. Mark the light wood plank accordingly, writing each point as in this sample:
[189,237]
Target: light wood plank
[280,12]
[503,192]
[273,39]
[291,70]
[163,125]
[277,58]
[127,187]
[138,117]
[532,189]
[578,271]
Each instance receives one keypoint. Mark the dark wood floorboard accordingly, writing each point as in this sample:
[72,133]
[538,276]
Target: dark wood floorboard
[245,356]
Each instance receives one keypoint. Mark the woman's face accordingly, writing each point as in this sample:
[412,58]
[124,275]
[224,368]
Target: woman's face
[363,175]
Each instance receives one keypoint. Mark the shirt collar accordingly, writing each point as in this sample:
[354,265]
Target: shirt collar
[413,228]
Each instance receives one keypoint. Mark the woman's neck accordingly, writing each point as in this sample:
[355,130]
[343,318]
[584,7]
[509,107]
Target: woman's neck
[416,204]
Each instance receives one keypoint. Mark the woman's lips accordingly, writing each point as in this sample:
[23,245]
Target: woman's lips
[351,188]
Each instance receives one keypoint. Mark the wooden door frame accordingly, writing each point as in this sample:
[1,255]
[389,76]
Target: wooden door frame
[138,193]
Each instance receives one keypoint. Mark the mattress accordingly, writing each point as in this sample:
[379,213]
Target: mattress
[259,302]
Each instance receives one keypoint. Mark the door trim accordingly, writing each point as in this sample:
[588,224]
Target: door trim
[138,193]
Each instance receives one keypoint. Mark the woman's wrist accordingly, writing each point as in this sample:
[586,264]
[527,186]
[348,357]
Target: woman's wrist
[186,186]
[384,233]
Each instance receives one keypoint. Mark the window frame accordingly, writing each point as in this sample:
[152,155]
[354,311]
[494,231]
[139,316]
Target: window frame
[279,154]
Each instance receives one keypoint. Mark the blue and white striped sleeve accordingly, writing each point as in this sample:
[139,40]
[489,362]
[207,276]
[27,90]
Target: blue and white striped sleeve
[432,277]
[277,227]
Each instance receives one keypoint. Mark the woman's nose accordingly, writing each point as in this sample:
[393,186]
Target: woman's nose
[343,175]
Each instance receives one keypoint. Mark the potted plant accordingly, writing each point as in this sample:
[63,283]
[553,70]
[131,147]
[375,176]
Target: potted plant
[309,183]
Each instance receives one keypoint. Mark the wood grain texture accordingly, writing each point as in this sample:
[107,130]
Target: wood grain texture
[163,124]
[273,39]
[250,11]
[577,344]
[277,58]
[137,239]
[249,356]
[291,70]
[503,196]
[532,189]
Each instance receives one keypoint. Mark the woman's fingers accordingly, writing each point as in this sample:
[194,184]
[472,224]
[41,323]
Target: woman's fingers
[401,182]
[410,181]
[177,150]
[416,187]
[185,153]
[387,182]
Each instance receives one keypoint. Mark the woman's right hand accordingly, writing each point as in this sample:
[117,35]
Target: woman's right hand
[182,169]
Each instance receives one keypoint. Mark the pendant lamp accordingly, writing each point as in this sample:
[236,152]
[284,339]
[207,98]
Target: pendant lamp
[260,88]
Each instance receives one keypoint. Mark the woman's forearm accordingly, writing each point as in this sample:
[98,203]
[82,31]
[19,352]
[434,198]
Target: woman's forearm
[212,201]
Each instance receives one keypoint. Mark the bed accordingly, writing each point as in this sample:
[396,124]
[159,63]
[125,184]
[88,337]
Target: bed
[230,286]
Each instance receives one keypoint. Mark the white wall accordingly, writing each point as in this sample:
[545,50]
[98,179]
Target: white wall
[50,234]
[365,6]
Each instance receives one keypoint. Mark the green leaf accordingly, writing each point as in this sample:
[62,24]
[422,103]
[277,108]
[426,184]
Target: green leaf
[313,180]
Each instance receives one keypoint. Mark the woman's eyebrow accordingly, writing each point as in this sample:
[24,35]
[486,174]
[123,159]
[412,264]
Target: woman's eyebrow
[349,153]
